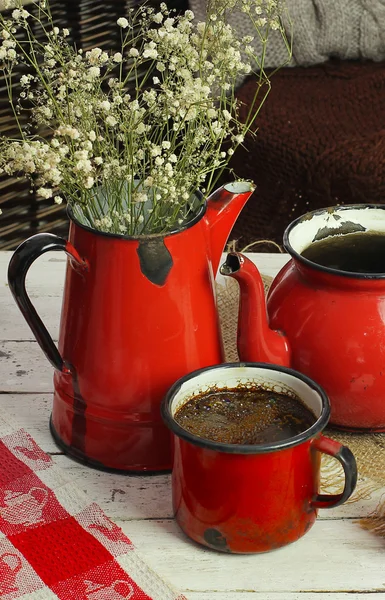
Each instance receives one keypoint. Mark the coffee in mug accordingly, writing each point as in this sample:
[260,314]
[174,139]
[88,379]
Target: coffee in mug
[245,415]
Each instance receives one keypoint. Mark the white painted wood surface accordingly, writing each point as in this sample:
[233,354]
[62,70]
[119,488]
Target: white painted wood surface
[335,560]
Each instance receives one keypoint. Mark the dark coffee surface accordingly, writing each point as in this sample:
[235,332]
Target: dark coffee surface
[353,252]
[246,416]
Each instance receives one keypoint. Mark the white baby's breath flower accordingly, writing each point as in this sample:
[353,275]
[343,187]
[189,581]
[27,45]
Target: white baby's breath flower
[156,151]
[9,44]
[66,32]
[122,22]
[111,121]
[93,56]
[141,197]
[92,135]
[118,57]
[150,50]
[94,72]
[141,128]
[98,160]
[56,30]
[149,181]
[89,183]
[66,130]
[45,192]
[105,105]
[58,200]
[133,52]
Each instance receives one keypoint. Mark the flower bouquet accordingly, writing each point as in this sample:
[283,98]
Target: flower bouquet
[133,140]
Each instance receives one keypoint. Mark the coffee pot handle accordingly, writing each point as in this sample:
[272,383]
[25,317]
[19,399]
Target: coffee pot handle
[20,262]
[348,462]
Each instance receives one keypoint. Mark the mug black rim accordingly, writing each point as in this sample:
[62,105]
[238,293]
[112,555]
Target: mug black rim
[309,433]
[309,263]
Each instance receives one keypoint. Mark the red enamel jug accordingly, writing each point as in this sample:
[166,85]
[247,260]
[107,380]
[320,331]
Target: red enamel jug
[137,314]
[324,322]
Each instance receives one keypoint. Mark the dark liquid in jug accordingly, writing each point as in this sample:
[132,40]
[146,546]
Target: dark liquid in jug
[244,416]
[353,252]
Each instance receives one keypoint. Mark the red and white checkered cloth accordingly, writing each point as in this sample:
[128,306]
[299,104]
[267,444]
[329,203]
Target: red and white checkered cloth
[54,543]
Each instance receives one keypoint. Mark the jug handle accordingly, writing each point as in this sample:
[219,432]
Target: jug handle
[20,262]
[348,462]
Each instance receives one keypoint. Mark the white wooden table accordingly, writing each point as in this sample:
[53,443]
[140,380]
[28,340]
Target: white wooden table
[335,560]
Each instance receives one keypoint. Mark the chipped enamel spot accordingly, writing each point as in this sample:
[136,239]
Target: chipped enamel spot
[239,187]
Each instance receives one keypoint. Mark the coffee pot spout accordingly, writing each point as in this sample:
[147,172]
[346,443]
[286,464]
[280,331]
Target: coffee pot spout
[223,208]
[257,342]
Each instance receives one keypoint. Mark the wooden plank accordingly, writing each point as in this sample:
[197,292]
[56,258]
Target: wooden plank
[123,496]
[30,412]
[13,326]
[126,497]
[213,595]
[334,556]
[24,368]
[268,264]
[45,277]
[45,283]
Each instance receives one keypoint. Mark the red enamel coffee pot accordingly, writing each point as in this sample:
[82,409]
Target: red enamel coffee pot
[326,323]
[137,314]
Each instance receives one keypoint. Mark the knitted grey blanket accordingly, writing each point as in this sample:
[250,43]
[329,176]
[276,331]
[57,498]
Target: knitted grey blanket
[321,29]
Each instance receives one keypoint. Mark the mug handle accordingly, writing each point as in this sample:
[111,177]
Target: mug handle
[20,262]
[348,462]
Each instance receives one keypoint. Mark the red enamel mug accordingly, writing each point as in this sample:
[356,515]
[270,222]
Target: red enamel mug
[251,498]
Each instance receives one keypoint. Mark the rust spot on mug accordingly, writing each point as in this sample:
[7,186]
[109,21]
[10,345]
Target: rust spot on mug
[215,539]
